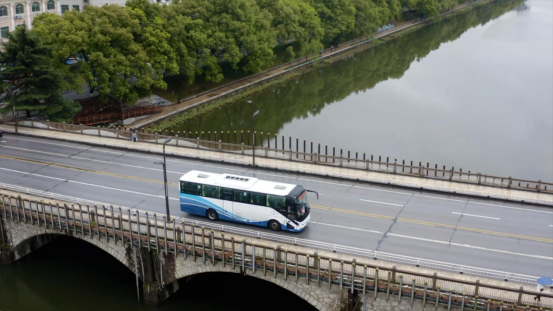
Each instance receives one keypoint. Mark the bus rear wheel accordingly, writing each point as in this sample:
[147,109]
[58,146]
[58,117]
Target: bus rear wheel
[212,215]
[274,225]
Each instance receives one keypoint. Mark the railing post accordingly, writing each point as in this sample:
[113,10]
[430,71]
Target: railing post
[449,300]
[424,295]
[352,275]
[223,252]
[388,286]
[463,302]
[232,252]
[510,182]
[156,137]
[437,297]
[434,279]
[519,300]
[244,257]
[479,176]
[375,283]
[81,128]
[400,287]
[395,165]
[264,261]
[412,292]
[476,288]
[307,268]
[364,287]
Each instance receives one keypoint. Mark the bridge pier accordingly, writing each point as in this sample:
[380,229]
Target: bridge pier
[158,281]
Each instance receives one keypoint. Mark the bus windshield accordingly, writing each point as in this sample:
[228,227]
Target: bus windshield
[302,204]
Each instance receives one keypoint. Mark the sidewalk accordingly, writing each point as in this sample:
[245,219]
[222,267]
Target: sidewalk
[413,182]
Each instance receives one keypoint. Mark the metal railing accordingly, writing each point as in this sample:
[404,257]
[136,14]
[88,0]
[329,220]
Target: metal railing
[407,260]
[184,238]
[316,156]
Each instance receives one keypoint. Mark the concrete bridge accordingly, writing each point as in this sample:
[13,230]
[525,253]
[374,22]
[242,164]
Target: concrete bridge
[161,252]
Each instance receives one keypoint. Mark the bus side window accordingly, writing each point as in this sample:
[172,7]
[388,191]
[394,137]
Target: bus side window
[242,196]
[210,191]
[227,194]
[259,199]
[183,187]
[192,188]
[276,202]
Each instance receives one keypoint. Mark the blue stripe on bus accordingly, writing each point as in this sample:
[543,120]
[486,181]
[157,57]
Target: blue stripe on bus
[196,205]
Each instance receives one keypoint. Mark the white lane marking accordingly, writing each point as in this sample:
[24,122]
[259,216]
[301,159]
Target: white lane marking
[94,160]
[364,250]
[550,225]
[87,184]
[382,202]
[438,198]
[511,207]
[207,165]
[344,227]
[475,215]
[128,154]
[3,141]
[346,185]
[470,246]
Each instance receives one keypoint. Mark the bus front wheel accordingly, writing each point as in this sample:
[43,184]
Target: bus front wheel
[274,225]
[212,214]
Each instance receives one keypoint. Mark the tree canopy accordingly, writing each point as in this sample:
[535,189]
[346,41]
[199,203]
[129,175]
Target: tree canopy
[27,73]
[126,51]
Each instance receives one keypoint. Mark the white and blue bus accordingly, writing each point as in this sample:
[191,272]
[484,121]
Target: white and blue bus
[246,200]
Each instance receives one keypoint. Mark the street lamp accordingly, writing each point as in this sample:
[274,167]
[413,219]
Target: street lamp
[164,164]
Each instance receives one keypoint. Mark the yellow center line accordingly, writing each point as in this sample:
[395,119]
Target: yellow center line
[433,224]
[86,170]
[315,206]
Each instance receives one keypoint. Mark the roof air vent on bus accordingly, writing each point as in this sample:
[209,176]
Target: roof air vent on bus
[280,187]
[227,177]
[203,176]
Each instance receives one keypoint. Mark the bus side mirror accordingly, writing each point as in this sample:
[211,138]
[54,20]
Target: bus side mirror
[312,191]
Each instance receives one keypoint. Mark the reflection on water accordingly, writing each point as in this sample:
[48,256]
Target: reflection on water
[69,274]
[473,91]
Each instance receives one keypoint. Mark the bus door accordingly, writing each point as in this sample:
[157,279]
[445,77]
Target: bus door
[227,195]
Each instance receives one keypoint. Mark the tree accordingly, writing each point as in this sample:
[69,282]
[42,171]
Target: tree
[337,17]
[290,53]
[36,85]
[119,51]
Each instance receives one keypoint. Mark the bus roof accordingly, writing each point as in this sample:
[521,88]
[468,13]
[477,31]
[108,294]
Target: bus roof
[238,182]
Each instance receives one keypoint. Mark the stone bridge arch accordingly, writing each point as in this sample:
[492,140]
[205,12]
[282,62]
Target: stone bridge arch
[320,298]
[25,238]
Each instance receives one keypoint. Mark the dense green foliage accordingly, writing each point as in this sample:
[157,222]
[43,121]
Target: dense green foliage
[125,51]
[27,72]
[311,92]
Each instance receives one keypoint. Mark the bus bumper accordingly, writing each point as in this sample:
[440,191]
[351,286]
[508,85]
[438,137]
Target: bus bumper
[300,227]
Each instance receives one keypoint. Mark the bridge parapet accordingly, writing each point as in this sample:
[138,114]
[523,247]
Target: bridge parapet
[161,252]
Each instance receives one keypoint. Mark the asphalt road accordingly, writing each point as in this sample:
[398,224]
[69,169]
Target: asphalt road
[481,233]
